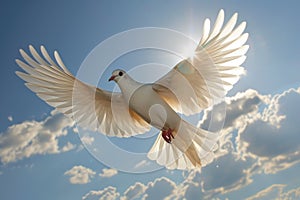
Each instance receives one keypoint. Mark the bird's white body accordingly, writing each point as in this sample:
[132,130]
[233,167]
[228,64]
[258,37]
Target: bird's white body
[148,104]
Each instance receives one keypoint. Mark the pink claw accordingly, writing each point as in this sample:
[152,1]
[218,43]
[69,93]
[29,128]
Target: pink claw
[167,135]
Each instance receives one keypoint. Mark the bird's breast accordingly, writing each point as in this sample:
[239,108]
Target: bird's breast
[152,108]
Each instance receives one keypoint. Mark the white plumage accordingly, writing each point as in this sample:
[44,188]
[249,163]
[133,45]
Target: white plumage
[191,86]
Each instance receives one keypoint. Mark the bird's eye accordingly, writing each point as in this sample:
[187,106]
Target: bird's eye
[120,73]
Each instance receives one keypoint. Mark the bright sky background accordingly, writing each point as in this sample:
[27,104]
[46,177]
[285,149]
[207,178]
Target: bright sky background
[261,134]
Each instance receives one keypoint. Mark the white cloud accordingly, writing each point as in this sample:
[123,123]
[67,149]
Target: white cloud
[159,189]
[32,137]
[134,191]
[236,107]
[75,130]
[277,192]
[80,175]
[272,192]
[68,147]
[262,137]
[87,140]
[291,194]
[234,114]
[259,129]
[273,139]
[232,174]
[192,186]
[109,193]
[10,118]
[107,173]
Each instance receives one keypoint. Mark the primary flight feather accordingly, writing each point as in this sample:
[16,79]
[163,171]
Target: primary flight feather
[194,84]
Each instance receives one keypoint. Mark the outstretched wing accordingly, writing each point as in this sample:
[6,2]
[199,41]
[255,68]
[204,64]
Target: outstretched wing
[204,79]
[90,107]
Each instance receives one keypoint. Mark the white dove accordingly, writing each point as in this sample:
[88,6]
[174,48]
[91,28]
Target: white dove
[192,85]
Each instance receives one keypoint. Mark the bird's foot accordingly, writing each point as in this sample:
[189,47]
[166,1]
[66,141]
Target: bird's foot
[167,135]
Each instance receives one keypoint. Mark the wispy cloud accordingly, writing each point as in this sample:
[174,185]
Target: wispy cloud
[107,193]
[134,191]
[272,192]
[276,191]
[80,174]
[107,173]
[34,137]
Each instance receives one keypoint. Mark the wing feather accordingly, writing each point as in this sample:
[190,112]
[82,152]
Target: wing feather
[218,25]
[204,79]
[206,29]
[89,106]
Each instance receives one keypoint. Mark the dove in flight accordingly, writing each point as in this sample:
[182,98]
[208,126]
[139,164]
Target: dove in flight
[194,84]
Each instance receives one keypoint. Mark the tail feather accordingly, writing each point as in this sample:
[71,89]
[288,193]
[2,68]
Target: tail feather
[191,153]
[191,148]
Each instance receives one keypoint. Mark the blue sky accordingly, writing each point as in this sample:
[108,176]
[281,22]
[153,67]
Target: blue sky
[260,155]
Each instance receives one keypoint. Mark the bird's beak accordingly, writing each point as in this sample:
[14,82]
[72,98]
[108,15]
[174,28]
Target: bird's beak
[111,78]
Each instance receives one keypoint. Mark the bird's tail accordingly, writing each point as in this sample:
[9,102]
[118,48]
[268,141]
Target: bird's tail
[191,147]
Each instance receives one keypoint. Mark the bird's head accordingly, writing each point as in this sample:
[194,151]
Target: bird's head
[117,75]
